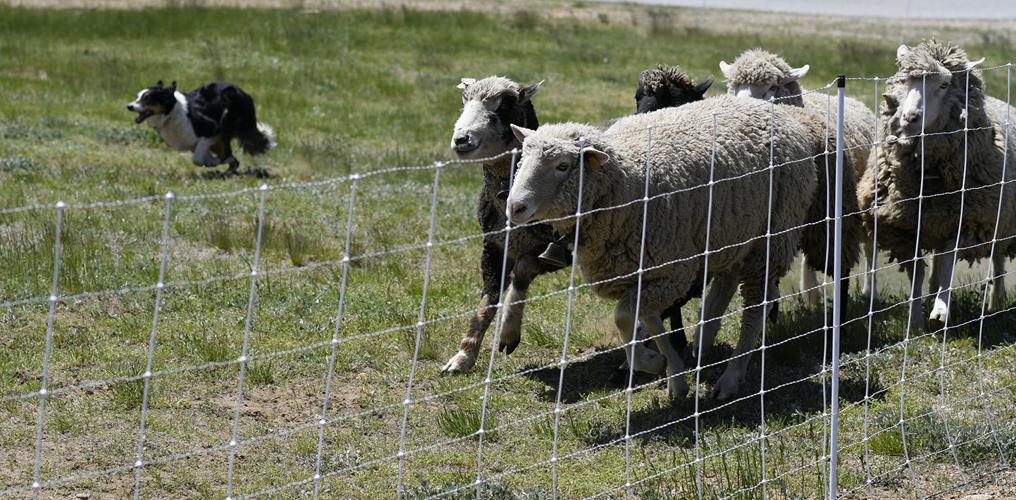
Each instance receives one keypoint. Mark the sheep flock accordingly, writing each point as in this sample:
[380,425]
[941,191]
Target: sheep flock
[696,195]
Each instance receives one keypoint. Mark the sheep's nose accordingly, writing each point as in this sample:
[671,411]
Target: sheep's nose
[911,117]
[463,143]
[518,208]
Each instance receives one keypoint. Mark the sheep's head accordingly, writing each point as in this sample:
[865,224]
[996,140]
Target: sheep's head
[931,87]
[665,87]
[763,75]
[489,107]
[546,181]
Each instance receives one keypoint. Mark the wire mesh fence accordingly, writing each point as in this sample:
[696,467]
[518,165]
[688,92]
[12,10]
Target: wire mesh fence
[303,354]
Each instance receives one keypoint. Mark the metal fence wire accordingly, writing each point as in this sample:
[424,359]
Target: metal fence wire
[854,443]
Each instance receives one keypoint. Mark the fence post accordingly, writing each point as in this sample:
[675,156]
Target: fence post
[838,297]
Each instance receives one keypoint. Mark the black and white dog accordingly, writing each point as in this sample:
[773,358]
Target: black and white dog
[204,121]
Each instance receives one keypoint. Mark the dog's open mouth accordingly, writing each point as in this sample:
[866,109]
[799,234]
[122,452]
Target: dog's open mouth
[142,116]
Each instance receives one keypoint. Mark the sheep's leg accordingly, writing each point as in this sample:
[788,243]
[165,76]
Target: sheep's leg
[996,301]
[809,282]
[751,324]
[509,326]
[490,266]
[678,339]
[942,274]
[915,271]
[721,291]
[677,386]
[870,286]
[652,298]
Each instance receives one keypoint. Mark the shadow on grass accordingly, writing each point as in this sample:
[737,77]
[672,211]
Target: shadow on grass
[794,384]
[253,172]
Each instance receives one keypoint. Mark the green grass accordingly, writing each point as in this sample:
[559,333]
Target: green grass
[356,90]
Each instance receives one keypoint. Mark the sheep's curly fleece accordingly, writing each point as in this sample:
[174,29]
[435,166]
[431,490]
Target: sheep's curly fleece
[896,174]
[654,79]
[682,143]
[760,67]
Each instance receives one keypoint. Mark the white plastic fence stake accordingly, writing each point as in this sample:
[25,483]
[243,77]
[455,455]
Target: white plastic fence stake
[765,302]
[163,259]
[407,401]
[497,325]
[248,321]
[837,285]
[47,353]
[335,338]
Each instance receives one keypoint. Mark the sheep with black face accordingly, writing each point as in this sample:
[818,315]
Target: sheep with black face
[482,133]
[667,87]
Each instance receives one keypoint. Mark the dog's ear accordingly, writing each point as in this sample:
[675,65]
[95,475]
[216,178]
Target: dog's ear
[173,86]
[158,84]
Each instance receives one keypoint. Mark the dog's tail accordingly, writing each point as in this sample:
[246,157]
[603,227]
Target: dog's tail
[259,140]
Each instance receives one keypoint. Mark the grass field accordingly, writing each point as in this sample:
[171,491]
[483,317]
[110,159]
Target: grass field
[352,91]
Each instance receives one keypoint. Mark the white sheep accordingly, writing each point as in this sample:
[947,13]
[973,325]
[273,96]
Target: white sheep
[938,122]
[763,75]
[679,157]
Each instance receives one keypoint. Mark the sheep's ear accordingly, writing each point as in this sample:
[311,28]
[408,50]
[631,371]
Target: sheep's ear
[902,52]
[727,70]
[798,73]
[702,87]
[973,64]
[465,83]
[595,158]
[526,93]
[890,101]
[521,132]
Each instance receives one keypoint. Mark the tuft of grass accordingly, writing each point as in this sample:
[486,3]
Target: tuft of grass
[220,235]
[260,373]
[128,395]
[208,349]
[464,421]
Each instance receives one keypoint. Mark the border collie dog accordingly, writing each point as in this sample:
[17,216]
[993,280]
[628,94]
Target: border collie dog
[204,121]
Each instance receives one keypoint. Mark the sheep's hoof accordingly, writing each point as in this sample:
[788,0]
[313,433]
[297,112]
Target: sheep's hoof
[938,318]
[459,363]
[814,297]
[727,387]
[647,361]
[508,346]
[677,388]
[996,302]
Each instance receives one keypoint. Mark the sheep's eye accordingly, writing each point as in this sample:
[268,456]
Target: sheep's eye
[562,167]
[773,88]
[944,85]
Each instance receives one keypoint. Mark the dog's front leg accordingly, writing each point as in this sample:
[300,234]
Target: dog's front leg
[203,153]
